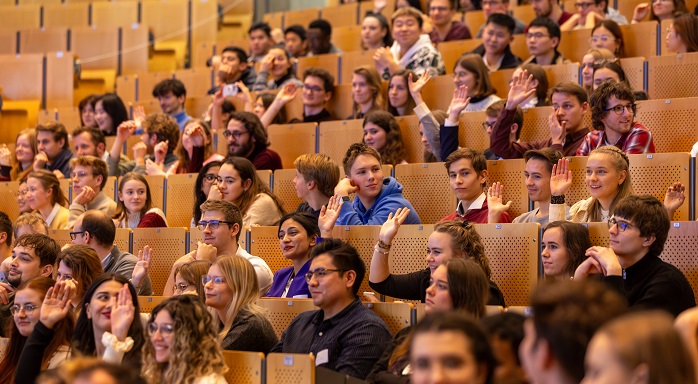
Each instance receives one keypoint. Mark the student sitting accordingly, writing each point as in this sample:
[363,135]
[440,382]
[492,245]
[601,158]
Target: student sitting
[316,177]
[135,208]
[376,196]
[278,65]
[441,13]
[382,133]
[89,175]
[564,245]
[366,92]
[497,37]
[470,71]
[400,100]
[542,39]
[46,197]
[537,173]
[195,149]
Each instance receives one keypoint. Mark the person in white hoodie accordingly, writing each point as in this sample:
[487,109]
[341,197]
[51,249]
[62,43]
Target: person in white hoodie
[412,49]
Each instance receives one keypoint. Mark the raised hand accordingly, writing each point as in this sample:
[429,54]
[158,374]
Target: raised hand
[196,135]
[287,93]
[244,93]
[641,11]
[126,130]
[122,313]
[495,205]
[153,168]
[345,187]
[329,214]
[558,130]
[417,86]
[5,156]
[218,98]
[521,89]
[674,197]
[267,63]
[138,115]
[205,251]
[561,178]
[459,102]
[85,196]
[56,305]
[140,271]
[139,151]
[40,160]
[379,5]
[390,227]
[160,151]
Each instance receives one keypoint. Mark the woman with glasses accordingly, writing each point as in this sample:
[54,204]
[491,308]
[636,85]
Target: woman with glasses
[238,183]
[564,245]
[659,10]
[202,186]
[682,34]
[28,316]
[607,35]
[232,291]
[135,207]
[21,195]
[78,266]
[195,149]
[18,165]
[182,346]
[44,195]
[188,278]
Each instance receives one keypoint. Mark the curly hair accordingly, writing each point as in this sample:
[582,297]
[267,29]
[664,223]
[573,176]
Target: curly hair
[465,242]
[196,352]
[393,152]
[183,154]
[121,212]
[602,94]
[620,162]
[164,127]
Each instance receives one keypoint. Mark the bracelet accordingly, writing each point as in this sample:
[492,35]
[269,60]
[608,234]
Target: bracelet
[109,340]
[383,245]
[380,250]
[137,287]
[557,199]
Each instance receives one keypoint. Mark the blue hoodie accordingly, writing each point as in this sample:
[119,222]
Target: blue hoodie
[389,200]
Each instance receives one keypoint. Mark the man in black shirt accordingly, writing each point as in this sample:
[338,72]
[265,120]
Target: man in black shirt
[318,85]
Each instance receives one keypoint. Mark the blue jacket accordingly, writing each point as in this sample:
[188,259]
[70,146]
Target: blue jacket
[389,200]
[298,285]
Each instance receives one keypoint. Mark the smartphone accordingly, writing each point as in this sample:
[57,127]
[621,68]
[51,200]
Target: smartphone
[230,90]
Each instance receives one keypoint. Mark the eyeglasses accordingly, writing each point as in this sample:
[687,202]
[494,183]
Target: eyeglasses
[312,88]
[28,309]
[210,177]
[235,134]
[165,329]
[536,36]
[179,288]
[622,225]
[486,125]
[583,5]
[601,39]
[213,224]
[21,193]
[79,175]
[217,280]
[74,235]
[618,109]
[320,273]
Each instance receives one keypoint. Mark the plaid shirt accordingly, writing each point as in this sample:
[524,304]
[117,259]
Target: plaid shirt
[637,140]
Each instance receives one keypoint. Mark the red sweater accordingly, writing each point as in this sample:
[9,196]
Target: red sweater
[477,216]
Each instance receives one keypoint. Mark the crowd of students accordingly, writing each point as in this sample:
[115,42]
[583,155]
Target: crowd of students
[72,314]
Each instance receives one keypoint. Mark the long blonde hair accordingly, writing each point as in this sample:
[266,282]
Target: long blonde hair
[620,162]
[17,173]
[373,81]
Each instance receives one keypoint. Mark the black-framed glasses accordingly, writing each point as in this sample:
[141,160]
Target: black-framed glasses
[165,329]
[210,177]
[486,125]
[320,273]
[618,109]
[28,309]
[536,36]
[235,134]
[217,280]
[622,225]
[74,235]
[213,224]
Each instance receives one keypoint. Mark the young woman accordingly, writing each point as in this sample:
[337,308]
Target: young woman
[78,266]
[110,112]
[232,291]
[366,92]
[609,70]
[182,345]
[276,64]
[564,245]
[135,206]
[592,57]
[640,347]
[659,10]
[607,35]
[472,72]
[400,100]
[375,32]
[429,152]
[44,195]
[682,34]
[450,239]
[457,285]
[26,313]
[202,186]
[298,233]
[87,112]
[238,183]
[21,195]
[540,79]
[382,133]
[469,355]
[188,278]
[17,166]
[195,149]
[108,326]
[263,102]
[608,180]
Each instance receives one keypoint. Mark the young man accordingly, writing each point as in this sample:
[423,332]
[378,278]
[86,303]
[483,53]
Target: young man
[234,67]
[343,334]
[539,168]
[260,41]
[316,176]
[154,154]
[171,95]
[564,317]
[491,114]
[495,50]
[5,241]
[296,41]
[376,196]
[591,12]
[220,225]
[247,138]
[550,9]
[26,223]
[318,85]
[91,142]
[54,150]
[490,7]
[612,112]
[638,230]
[320,38]
[467,174]
[96,230]
[566,123]
[89,177]
[445,29]
[542,40]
